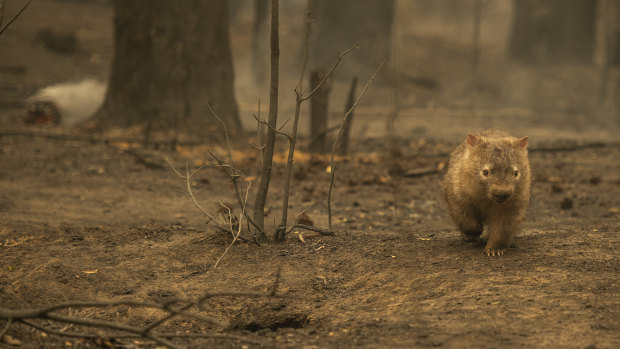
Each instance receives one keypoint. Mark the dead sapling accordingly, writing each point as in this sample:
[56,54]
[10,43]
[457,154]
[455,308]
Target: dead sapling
[335,145]
[190,193]
[234,174]
[270,139]
[300,97]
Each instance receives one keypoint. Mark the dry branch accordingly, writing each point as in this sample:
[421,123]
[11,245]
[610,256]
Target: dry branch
[174,307]
[232,172]
[420,172]
[187,177]
[332,162]
[300,98]
[13,18]
[235,236]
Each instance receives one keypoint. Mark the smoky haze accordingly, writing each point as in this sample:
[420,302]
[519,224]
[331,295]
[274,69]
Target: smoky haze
[452,65]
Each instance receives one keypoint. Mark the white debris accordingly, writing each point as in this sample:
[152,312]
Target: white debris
[76,101]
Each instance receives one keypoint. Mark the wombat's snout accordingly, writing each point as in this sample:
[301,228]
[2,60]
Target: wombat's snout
[501,194]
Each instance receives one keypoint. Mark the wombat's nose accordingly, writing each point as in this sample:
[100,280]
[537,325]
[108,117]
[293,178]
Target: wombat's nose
[501,196]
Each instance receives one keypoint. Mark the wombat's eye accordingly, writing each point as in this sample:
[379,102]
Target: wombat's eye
[516,173]
[485,172]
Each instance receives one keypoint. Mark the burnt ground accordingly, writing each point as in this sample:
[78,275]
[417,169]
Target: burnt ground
[84,221]
[396,273]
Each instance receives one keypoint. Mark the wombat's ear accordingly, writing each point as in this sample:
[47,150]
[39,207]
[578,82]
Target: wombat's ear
[522,142]
[472,139]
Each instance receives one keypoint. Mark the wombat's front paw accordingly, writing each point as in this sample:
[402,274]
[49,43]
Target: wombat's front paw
[494,251]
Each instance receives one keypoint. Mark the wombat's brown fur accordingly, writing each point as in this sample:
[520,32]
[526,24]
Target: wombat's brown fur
[488,184]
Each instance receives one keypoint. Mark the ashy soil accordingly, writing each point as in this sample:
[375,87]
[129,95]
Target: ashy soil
[85,222]
[88,221]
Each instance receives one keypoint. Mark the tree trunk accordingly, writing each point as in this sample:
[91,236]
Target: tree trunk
[170,58]
[318,112]
[343,146]
[270,138]
[553,30]
[260,50]
[342,23]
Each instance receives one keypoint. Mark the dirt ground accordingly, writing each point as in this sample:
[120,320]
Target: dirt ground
[396,274]
[86,221]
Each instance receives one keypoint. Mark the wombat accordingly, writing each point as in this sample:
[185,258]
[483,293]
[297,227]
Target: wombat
[487,183]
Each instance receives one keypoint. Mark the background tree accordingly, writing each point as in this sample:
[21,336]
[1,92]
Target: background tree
[170,57]
[554,30]
[342,23]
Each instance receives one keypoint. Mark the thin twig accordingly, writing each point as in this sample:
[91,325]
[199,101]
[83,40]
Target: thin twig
[46,313]
[112,325]
[235,236]
[9,322]
[233,171]
[39,312]
[59,333]
[332,162]
[274,130]
[260,136]
[14,17]
[329,73]
[187,177]
[206,296]
[280,233]
[162,334]
[311,228]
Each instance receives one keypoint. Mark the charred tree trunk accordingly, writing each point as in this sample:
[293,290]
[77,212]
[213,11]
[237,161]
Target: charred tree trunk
[170,58]
[553,30]
[343,146]
[272,121]
[318,112]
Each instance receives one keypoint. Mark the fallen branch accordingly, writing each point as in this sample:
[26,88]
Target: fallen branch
[51,331]
[311,228]
[174,307]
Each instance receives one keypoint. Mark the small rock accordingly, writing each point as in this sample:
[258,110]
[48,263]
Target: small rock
[595,180]
[556,188]
[566,204]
